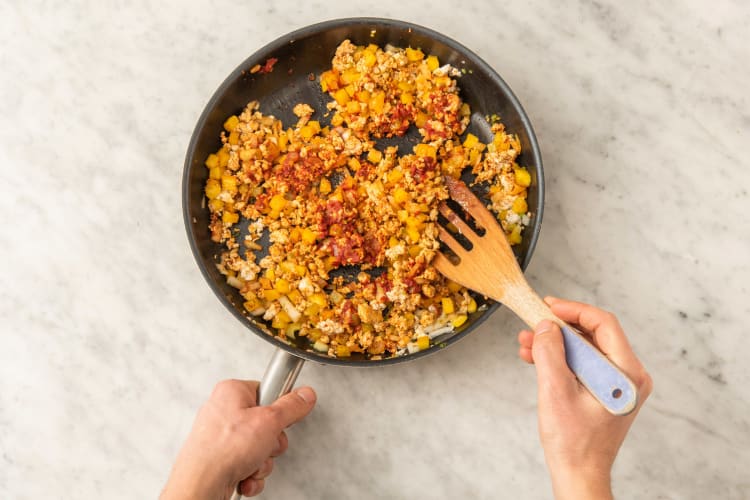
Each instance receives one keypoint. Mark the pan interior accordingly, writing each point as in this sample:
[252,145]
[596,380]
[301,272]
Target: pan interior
[301,58]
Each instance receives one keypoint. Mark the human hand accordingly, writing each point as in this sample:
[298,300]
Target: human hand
[234,441]
[580,438]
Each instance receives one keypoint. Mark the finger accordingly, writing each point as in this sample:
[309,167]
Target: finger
[265,469]
[294,406]
[606,333]
[250,487]
[525,354]
[526,338]
[236,393]
[281,445]
[548,353]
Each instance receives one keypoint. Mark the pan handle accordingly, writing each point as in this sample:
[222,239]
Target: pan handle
[281,373]
[279,378]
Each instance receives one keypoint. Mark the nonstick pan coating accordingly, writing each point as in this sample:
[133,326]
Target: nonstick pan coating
[301,57]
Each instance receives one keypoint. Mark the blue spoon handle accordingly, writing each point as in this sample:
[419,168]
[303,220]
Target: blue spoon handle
[606,382]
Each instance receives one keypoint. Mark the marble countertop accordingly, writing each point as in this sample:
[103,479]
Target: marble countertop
[111,339]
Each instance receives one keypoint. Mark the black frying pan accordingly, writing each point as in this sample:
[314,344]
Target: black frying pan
[302,56]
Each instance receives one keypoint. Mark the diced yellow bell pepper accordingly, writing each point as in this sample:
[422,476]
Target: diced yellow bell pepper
[325,186]
[309,236]
[252,304]
[400,195]
[395,175]
[423,342]
[215,205]
[278,202]
[282,142]
[405,86]
[352,107]
[470,141]
[212,161]
[472,307]
[319,298]
[215,172]
[350,76]
[312,310]
[281,320]
[271,295]
[282,286]
[448,307]
[413,233]
[229,184]
[231,123]
[270,274]
[523,178]
[377,102]
[341,350]
[230,218]
[223,155]
[329,80]
[392,242]
[295,296]
[265,283]
[520,206]
[514,238]
[370,59]
[407,98]
[234,138]
[362,96]
[306,132]
[414,54]
[341,97]
[432,63]
[421,119]
[414,250]
[453,286]
[213,188]
[459,320]
[374,156]
[425,150]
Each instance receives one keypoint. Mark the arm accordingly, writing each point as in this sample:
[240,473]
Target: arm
[580,438]
[234,441]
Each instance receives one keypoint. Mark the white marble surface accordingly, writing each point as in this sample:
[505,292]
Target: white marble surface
[110,339]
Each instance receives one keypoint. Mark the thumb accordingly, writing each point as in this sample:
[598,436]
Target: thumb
[548,351]
[293,407]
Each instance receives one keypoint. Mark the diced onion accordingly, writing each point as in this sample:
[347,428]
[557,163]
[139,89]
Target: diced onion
[292,311]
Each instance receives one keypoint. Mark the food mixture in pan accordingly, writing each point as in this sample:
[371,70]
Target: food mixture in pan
[329,198]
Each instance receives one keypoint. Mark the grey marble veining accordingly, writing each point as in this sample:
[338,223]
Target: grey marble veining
[110,339]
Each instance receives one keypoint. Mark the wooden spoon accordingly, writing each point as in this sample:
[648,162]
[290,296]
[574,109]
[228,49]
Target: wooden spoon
[491,269]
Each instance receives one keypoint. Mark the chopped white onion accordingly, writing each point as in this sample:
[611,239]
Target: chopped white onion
[292,311]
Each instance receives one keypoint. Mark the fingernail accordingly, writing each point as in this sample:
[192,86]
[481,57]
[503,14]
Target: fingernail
[307,394]
[543,327]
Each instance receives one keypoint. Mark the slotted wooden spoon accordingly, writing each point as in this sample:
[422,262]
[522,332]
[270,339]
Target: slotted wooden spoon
[491,269]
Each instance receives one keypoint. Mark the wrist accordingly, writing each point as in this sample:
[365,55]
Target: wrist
[578,484]
[196,484]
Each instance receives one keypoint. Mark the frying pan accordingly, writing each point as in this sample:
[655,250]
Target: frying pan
[301,57]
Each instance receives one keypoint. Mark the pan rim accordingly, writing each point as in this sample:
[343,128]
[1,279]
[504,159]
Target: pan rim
[259,56]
